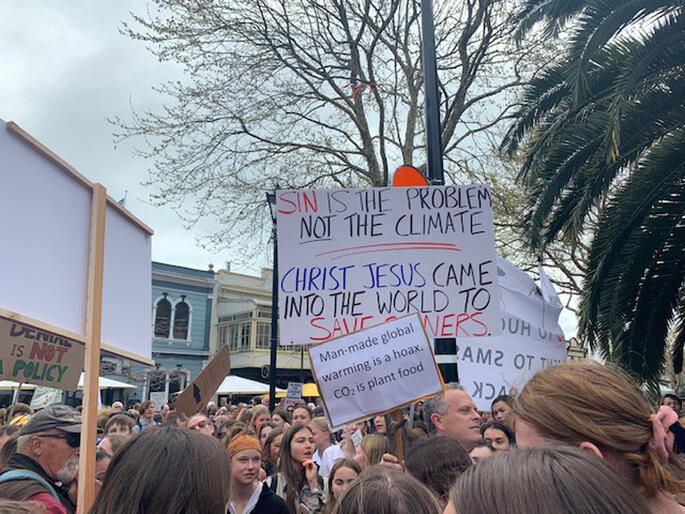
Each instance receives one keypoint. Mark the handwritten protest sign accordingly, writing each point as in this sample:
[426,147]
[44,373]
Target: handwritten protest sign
[375,370]
[44,397]
[197,394]
[353,258]
[531,339]
[29,354]
[293,395]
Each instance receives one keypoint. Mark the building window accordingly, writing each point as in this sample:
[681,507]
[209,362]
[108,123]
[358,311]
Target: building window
[162,317]
[263,335]
[234,336]
[245,336]
[181,319]
[177,381]
[223,337]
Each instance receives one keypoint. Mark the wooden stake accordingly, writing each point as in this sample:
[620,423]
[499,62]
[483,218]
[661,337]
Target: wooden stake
[96,257]
[16,399]
[399,436]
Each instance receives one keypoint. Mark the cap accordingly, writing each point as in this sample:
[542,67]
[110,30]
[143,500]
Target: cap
[61,417]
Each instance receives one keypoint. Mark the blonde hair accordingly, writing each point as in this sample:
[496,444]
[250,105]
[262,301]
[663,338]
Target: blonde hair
[584,401]
[322,424]
[374,446]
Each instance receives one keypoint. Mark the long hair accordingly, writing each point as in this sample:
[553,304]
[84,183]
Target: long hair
[437,462]
[561,480]
[340,463]
[380,491]
[374,446]
[584,401]
[166,469]
[290,470]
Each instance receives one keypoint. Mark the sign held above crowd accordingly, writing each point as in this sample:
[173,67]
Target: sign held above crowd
[353,258]
[375,370]
[196,395]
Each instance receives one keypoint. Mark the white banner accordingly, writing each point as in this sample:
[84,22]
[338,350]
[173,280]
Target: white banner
[375,370]
[531,339]
[354,258]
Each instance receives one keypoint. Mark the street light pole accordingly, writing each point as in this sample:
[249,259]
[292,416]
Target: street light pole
[271,199]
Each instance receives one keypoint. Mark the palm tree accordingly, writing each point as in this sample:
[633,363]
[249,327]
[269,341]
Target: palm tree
[602,133]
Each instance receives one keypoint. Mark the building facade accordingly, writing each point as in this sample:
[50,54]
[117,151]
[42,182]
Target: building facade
[242,321]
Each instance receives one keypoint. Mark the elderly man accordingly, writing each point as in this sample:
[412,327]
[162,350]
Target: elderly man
[46,461]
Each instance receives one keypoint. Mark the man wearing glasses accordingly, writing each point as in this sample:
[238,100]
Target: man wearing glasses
[46,460]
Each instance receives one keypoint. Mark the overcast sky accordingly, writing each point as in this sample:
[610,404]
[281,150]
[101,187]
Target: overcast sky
[64,70]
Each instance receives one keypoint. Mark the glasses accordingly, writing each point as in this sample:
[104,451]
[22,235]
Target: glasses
[201,424]
[73,440]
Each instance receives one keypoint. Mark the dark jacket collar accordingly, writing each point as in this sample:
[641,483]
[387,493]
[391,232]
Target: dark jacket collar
[21,461]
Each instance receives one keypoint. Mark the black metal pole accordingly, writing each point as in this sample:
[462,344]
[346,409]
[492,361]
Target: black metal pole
[430,85]
[302,364]
[274,324]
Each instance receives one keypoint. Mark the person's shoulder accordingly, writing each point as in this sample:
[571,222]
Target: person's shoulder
[50,505]
[333,452]
[269,502]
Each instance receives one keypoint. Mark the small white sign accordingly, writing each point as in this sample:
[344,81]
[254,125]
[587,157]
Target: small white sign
[375,370]
[44,397]
[357,437]
[294,394]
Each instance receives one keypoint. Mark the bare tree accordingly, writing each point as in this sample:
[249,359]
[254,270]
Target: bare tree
[310,93]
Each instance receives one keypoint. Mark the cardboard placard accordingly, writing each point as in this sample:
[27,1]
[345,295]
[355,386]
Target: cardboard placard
[197,394]
[36,356]
[376,370]
[44,397]
[353,258]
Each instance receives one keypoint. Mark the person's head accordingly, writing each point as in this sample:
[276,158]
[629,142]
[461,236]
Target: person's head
[584,404]
[342,474]
[380,425]
[560,480]
[6,431]
[272,445]
[147,409]
[672,401]
[102,461]
[119,424]
[420,429]
[265,431]
[453,414]
[280,417]
[381,491]
[118,406]
[371,450]
[111,444]
[52,438]
[164,410]
[233,412]
[501,409]
[200,423]
[190,475]
[259,418]
[321,432]
[302,414]
[245,454]
[437,462]
[8,449]
[498,435]
[481,451]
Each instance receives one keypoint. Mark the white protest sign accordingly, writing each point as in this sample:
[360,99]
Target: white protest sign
[354,258]
[375,370]
[531,339]
[294,394]
[44,397]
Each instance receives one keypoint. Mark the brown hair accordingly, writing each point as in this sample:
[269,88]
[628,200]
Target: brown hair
[340,463]
[290,470]
[166,469]
[116,442]
[574,482]
[374,446]
[584,401]
[123,420]
[269,441]
[144,406]
[381,491]
[436,463]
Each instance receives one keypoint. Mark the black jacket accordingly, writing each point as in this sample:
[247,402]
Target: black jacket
[269,503]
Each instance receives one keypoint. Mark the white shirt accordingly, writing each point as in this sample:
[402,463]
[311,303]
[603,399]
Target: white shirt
[251,504]
[328,459]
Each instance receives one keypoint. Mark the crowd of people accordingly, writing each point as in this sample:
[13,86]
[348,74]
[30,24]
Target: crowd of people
[578,438]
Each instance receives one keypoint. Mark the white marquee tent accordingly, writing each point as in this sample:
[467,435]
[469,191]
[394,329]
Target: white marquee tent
[233,384]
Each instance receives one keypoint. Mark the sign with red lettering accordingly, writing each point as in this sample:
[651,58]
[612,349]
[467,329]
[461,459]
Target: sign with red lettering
[353,258]
[35,356]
